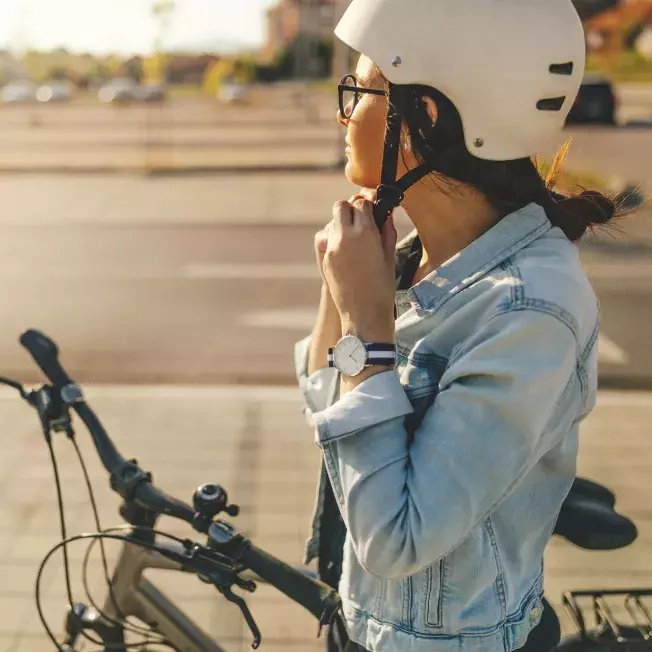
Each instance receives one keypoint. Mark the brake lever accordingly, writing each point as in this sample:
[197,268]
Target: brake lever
[227,592]
[24,394]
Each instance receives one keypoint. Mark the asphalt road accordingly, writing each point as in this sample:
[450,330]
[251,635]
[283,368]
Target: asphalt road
[134,289]
[210,278]
[622,152]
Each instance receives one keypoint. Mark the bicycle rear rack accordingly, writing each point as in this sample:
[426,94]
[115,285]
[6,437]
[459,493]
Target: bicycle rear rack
[609,631]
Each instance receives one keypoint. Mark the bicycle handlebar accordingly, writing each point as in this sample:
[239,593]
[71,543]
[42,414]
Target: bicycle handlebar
[107,451]
[160,502]
[317,597]
[46,355]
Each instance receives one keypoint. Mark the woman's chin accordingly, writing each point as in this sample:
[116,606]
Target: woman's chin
[358,178]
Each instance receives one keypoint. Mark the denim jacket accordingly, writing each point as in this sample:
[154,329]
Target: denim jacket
[449,471]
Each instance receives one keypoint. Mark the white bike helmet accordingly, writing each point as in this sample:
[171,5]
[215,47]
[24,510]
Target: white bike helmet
[511,68]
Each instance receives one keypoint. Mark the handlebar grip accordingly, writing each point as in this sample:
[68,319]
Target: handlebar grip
[318,598]
[46,355]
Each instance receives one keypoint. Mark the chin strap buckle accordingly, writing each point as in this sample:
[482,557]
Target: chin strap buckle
[388,197]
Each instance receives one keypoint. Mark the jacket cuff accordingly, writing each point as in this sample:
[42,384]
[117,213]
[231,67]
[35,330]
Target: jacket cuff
[301,353]
[317,389]
[378,399]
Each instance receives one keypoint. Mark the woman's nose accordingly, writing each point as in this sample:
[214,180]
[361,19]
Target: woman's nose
[341,119]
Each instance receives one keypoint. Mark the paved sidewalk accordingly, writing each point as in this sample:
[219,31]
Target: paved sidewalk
[255,443]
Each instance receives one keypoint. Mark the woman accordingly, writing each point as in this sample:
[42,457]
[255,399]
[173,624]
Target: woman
[449,432]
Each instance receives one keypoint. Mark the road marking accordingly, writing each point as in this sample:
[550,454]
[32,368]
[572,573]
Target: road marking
[304,319]
[610,352]
[252,271]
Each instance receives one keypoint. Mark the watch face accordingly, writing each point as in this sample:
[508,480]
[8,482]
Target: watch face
[350,355]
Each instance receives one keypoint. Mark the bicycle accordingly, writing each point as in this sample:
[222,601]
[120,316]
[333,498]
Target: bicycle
[227,560]
[588,519]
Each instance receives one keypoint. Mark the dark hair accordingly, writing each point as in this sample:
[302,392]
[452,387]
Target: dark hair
[508,185]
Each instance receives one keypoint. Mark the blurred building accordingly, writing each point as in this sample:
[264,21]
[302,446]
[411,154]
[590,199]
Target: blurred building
[189,69]
[290,19]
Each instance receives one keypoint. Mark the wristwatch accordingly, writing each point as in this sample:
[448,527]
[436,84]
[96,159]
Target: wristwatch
[350,356]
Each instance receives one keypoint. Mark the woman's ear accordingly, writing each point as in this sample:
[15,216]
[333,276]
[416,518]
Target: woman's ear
[431,108]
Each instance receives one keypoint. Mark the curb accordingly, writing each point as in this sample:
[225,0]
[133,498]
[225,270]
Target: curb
[625,383]
[245,169]
[609,382]
[154,171]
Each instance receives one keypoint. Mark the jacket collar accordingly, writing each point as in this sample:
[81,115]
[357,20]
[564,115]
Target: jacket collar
[514,232]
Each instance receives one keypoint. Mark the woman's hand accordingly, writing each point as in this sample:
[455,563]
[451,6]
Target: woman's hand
[358,266]
[327,330]
[321,237]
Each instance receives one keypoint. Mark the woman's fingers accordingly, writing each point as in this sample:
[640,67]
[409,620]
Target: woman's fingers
[342,218]
[363,216]
[321,240]
[389,236]
[367,193]
[364,194]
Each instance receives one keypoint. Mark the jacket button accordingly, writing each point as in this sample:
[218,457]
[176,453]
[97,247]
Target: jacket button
[535,613]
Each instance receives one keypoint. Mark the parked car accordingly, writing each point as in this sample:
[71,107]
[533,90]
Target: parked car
[117,90]
[55,91]
[125,89]
[596,102]
[18,92]
[149,93]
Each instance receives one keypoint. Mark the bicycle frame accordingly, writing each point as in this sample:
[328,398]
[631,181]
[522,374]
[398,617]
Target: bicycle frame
[136,596]
[130,594]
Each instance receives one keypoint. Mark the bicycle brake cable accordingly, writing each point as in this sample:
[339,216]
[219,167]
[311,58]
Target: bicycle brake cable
[128,528]
[66,561]
[133,628]
[63,544]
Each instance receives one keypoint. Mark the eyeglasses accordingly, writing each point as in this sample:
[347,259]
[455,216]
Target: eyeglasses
[350,93]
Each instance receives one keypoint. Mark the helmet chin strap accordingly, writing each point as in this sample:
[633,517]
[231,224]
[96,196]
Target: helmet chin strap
[391,191]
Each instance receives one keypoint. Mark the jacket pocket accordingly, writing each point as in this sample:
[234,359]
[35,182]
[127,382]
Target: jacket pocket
[420,376]
[434,595]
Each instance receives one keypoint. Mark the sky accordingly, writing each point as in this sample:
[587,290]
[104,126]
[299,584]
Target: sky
[126,26]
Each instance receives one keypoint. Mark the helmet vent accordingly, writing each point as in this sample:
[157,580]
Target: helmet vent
[561,68]
[551,104]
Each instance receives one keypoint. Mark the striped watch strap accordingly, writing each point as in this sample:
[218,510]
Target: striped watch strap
[378,353]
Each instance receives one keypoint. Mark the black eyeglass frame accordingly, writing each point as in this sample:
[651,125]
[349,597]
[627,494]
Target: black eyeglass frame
[346,85]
